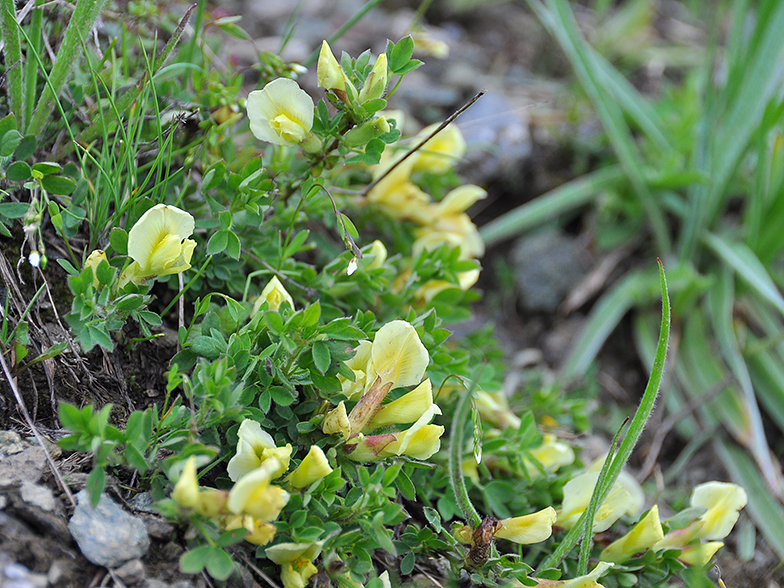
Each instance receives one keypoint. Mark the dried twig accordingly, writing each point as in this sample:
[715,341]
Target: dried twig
[264,576]
[20,401]
[419,145]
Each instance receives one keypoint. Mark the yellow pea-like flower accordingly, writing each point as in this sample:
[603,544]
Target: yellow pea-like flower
[186,490]
[274,294]
[641,537]
[296,562]
[253,448]
[528,529]
[254,495]
[281,113]
[442,152]
[158,244]
[312,468]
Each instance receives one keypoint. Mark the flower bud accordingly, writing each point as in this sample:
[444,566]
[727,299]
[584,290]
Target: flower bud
[376,82]
[314,467]
[186,490]
[366,132]
[330,74]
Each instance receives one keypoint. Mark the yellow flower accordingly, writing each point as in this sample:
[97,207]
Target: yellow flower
[552,454]
[406,409]
[376,81]
[433,288]
[641,537]
[420,441]
[442,152]
[378,253]
[447,222]
[398,355]
[723,501]
[281,113]
[254,495]
[337,422]
[330,75]
[274,294]
[212,502]
[93,261]
[359,365]
[700,554]
[528,529]
[254,447]
[589,580]
[396,194]
[258,533]
[296,562]
[158,244]
[312,468]
[494,409]
[426,44]
[186,490]
[625,497]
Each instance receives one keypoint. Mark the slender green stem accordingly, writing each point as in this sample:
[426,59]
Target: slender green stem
[612,471]
[191,48]
[83,19]
[456,444]
[12,49]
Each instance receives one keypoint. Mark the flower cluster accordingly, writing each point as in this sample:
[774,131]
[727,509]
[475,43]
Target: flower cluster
[254,502]
[439,223]
[395,358]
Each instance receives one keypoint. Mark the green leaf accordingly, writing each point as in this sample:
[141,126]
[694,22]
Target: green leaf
[218,242]
[232,537]
[219,564]
[18,171]
[407,563]
[399,54]
[233,246]
[193,561]
[118,239]
[295,245]
[282,395]
[213,175]
[59,185]
[47,167]
[7,123]
[9,142]
[26,148]
[13,209]
[321,356]
[96,482]
[405,486]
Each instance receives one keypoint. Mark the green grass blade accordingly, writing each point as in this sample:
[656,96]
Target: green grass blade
[82,20]
[765,510]
[562,199]
[31,72]
[12,51]
[767,372]
[610,473]
[560,21]
[739,257]
[721,299]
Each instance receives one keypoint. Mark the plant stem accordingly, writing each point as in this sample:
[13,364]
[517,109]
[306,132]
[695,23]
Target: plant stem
[456,444]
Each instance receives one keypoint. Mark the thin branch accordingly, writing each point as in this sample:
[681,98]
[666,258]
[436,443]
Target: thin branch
[419,145]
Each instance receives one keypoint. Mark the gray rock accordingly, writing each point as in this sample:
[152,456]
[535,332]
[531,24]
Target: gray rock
[107,535]
[27,465]
[547,265]
[157,527]
[155,583]
[10,443]
[132,572]
[15,575]
[39,496]
[142,501]
[3,501]
[53,448]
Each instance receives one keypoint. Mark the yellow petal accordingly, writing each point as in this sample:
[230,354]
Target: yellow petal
[700,555]
[398,355]
[461,199]
[723,501]
[330,74]
[589,580]
[406,409]
[312,468]
[281,113]
[442,152]
[577,495]
[528,529]
[274,294]
[253,494]
[647,532]
[250,448]
[156,244]
[337,422]
[186,491]
[283,553]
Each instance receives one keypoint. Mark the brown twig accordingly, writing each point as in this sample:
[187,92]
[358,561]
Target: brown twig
[20,401]
[264,576]
[419,145]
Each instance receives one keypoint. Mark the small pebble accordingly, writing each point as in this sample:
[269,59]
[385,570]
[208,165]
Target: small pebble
[132,572]
[39,496]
